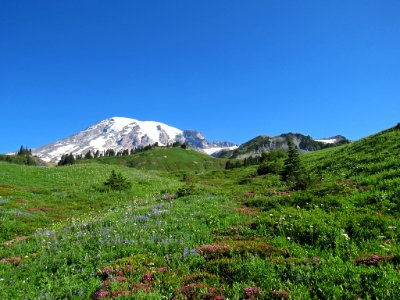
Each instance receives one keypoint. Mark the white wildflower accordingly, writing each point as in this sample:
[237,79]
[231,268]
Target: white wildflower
[346,236]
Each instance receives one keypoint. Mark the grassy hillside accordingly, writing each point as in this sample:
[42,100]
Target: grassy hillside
[231,234]
[32,197]
[166,159]
[23,160]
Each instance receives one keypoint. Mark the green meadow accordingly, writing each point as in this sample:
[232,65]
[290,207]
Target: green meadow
[189,229]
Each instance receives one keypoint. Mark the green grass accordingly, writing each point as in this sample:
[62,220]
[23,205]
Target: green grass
[166,159]
[33,197]
[235,236]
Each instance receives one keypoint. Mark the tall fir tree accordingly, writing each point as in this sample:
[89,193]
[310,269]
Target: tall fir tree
[292,171]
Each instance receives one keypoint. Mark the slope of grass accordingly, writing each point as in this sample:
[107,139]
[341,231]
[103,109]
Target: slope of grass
[166,159]
[33,197]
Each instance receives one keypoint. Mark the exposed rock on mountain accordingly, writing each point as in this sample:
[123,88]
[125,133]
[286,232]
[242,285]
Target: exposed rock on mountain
[260,144]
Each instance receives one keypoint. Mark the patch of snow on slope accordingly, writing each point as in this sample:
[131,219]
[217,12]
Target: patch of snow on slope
[98,143]
[150,127]
[327,141]
[211,151]
[118,123]
[62,150]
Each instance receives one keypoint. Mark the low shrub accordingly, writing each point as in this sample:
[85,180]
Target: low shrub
[117,182]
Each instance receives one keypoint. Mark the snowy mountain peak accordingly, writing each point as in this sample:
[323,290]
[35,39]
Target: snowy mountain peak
[120,133]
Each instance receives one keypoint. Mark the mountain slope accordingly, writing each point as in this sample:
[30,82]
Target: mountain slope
[262,144]
[377,154]
[120,133]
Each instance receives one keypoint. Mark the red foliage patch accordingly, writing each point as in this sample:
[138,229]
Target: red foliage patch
[17,239]
[252,292]
[280,294]
[12,260]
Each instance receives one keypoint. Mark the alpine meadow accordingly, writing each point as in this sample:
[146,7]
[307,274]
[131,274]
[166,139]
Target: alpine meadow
[199,150]
[175,223]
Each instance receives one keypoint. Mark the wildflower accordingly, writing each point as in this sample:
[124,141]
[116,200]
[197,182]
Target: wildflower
[289,238]
[346,236]
[379,213]
[253,290]
[100,294]
[148,277]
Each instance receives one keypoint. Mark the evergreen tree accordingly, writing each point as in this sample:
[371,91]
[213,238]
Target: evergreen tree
[293,173]
[24,151]
[88,155]
[71,159]
[228,165]
[292,163]
[29,160]
[117,182]
[66,159]
[21,150]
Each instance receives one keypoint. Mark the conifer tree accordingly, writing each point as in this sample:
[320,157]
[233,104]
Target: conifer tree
[117,182]
[293,172]
[88,155]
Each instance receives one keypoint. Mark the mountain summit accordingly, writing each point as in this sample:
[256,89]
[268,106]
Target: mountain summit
[120,133]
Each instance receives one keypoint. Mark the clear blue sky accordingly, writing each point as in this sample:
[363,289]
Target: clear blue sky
[231,69]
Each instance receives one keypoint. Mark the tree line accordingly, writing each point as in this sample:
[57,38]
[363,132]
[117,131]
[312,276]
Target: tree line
[69,159]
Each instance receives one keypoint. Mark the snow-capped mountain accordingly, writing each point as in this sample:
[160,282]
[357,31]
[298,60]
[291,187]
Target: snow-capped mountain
[120,133]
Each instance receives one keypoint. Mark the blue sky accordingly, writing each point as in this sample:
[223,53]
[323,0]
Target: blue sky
[231,69]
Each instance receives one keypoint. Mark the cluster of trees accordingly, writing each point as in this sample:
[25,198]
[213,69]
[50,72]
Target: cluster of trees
[238,163]
[66,159]
[24,151]
[256,160]
[69,159]
[287,164]
[24,156]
